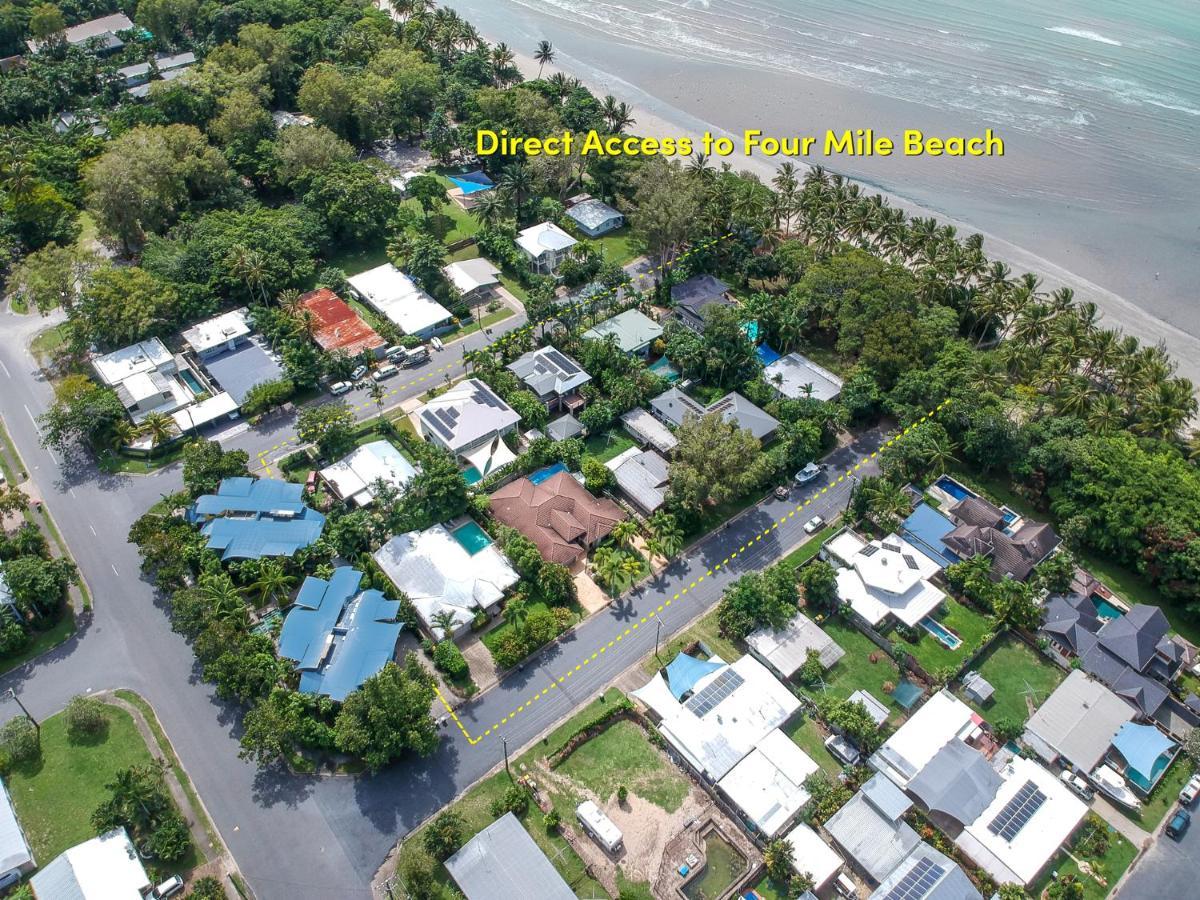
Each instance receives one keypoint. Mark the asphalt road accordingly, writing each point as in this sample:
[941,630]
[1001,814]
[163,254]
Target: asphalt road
[1168,871]
[301,837]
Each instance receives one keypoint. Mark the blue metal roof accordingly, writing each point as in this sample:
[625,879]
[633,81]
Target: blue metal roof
[1143,746]
[337,636]
[249,518]
[925,528]
[684,671]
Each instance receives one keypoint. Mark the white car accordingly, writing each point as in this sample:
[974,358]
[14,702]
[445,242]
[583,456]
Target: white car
[358,373]
[437,343]
[1189,791]
[813,525]
[340,387]
[171,886]
[1077,784]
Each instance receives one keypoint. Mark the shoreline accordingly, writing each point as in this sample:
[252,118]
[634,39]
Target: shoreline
[1115,310]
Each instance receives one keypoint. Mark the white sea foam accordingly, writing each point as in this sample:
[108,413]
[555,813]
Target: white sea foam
[1085,34]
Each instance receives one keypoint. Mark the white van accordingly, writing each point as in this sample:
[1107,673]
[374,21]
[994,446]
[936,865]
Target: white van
[384,372]
[395,353]
[340,387]
[599,826]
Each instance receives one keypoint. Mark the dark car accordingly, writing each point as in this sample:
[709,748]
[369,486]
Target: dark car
[1179,824]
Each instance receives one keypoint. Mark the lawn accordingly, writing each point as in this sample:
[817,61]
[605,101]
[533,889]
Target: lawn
[808,549]
[1164,796]
[56,796]
[487,321]
[1110,867]
[114,463]
[353,260]
[47,342]
[808,738]
[451,223]
[607,444]
[932,654]
[706,630]
[618,246]
[622,755]
[855,670]
[1015,670]
[473,806]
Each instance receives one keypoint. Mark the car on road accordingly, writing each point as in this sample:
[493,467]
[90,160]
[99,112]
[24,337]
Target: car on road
[358,373]
[1077,784]
[171,886]
[416,355]
[340,387]
[1179,824]
[781,492]
[1189,791]
[813,525]
[437,343]
[384,372]
[809,473]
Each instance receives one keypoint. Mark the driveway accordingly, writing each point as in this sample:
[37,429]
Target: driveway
[1170,869]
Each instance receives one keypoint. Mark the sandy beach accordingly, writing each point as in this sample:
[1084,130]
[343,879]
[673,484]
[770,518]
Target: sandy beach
[675,97]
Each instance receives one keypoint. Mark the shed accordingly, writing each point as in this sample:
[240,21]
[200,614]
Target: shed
[977,688]
[595,217]
[503,863]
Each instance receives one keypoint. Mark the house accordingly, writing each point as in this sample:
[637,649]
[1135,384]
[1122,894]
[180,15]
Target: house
[469,421]
[649,431]
[396,297]
[883,578]
[140,76]
[354,478]
[1077,723]
[234,358]
[337,328]
[692,299]
[941,720]
[476,279]
[337,635]
[145,377]
[105,868]
[595,217]
[673,407]
[559,515]
[552,377]
[767,786]
[249,518]
[503,863]
[564,428]
[713,713]
[16,857]
[871,830]
[642,476]
[786,650]
[103,31]
[926,874]
[546,245]
[440,575]
[797,377]
[633,331]
[812,856]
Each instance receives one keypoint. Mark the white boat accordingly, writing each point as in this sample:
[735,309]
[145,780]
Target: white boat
[1110,782]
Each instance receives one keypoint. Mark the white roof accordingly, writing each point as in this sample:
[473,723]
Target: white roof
[812,855]
[396,296]
[470,274]
[146,356]
[718,739]
[354,476]
[607,830]
[14,849]
[438,574]
[466,414]
[844,545]
[548,371]
[942,718]
[544,237]
[104,868]
[791,374]
[888,577]
[768,784]
[786,650]
[1021,859]
[205,411]
[216,331]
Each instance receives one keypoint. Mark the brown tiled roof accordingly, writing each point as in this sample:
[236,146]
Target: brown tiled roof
[338,326]
[977,511]
[559,515]
[1014,555]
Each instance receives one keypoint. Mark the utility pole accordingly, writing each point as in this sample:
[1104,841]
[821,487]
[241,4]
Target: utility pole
[504,741]
[12,695]
[850,496]
[657,633]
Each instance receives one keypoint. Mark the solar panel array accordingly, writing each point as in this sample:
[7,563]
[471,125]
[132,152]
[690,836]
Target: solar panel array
[1017,812]
[869,550]
[894,548]
[918,881]
[564,365]
[710,697]
[911,561]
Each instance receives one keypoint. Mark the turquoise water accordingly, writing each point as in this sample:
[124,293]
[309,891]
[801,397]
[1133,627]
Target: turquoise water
[471,475]
[664,368]
[190,380]
[953,488]
[548,472]
[472,537]
[1104,609]
[947,638]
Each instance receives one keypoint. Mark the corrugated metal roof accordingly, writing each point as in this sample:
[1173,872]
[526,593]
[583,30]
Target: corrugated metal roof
[503,863]
[14,849]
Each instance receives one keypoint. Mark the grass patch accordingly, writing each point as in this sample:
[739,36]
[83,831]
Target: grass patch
[607,444]
[10,460]
[114,463]
[42,641]
[48,342]
[722,512]
[855,671]
[827,358]
[56,796]
[1014,669]
[771,890]
[1111,866]
[487,321]
[706,630]
[359,259]
[808,549]
[968,624]
[619,246]
[451,223]
[808,738]
[621,755]
[1164,796]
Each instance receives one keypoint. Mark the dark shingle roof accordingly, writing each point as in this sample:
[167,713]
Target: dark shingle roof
[1135,636]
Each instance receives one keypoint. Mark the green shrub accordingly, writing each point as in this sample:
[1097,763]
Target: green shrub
[206,888]
[515,801]
[13,637]
[86,717]
[267,395]
[171,840]
[19,741]
[448,658]
[509,650]
[444,835]
[552,820]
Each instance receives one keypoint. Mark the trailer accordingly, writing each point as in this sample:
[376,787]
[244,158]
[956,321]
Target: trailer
[599,826]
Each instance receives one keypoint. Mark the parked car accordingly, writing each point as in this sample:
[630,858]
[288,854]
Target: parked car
[845,887]
[437,343]
[395,353]
[340,387]
[781,492]
[1179,824]
[172,885]
[813,525]
[1189,791]
[416,355]
[385,372]
[358,373]
[1077,784]
[840,748]
[809,472]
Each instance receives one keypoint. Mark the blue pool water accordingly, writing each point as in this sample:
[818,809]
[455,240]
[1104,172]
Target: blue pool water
[472,537]
[664,368]
[471,475]
[953,488]
[948,639]
[765,354]
[472,183]
[548,472]
[190,380]
[1104,609]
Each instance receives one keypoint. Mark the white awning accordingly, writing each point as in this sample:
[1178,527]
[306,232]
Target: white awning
[489,457]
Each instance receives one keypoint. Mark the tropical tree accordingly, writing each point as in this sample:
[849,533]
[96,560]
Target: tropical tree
[542,55]
[159,427]
[624,532]
[443,619]
[516,611]
[273,582]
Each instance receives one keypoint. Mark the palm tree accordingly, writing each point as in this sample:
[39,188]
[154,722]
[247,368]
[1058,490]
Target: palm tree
[1107,414]
[666,533]
[562,85]
[624,532]
[122,434]
[159,427]
[251,266]
[516,611]
[225,598]
[273,582]
[377,394]
[939,454]
[502,63]
[617,115]
[517,183]
[445,621]
[542,55]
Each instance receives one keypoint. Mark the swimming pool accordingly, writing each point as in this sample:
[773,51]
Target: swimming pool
[472,182]
[548,472]
[190,380]
[953,488]
[948,639]
[471,475]
[472,537]
[723,866]
[765,354]
[664,368]
[1106,610]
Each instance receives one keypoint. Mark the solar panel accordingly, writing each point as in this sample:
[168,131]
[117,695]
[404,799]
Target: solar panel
[1017,812]
[911,561]
[917,882]
[710,698]
[869,550]
[564,364]
[894,548]
[436,424]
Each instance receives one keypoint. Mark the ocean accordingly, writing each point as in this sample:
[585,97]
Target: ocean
[1098,102]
